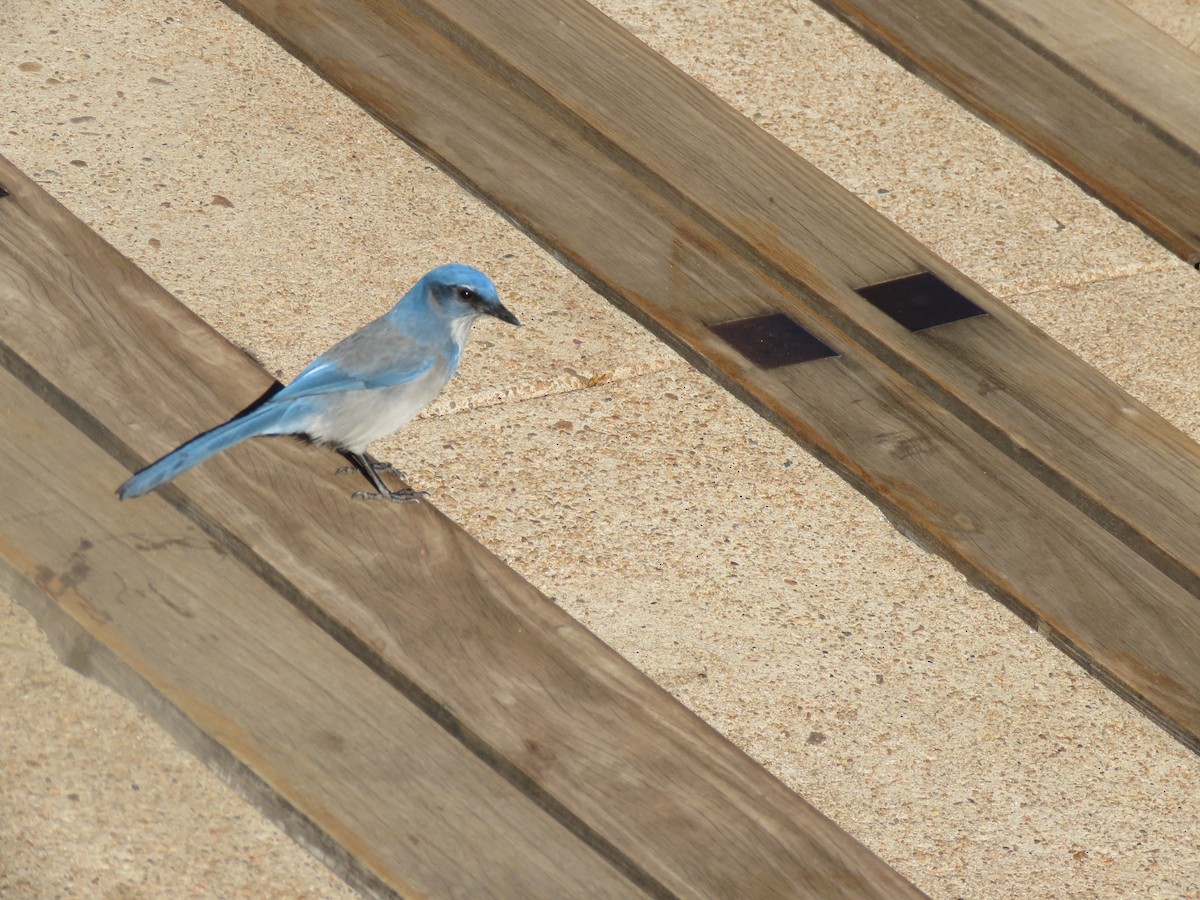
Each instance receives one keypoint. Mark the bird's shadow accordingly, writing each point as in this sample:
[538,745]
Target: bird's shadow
[262,400]
[275,388]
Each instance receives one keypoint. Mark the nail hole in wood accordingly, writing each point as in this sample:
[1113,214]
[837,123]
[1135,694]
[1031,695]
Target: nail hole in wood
[920,301]
[3,192]
[772,341]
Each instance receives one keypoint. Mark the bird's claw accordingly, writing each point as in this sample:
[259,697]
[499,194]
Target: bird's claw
[405,496]
[376,466]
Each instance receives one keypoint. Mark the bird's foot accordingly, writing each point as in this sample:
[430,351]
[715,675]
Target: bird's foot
[403,496]
[376,466]
[372,468]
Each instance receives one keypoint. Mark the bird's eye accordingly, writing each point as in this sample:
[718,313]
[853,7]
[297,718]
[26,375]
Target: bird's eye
[466,295]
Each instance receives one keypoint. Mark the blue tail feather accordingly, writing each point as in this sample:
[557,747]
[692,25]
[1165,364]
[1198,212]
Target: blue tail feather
[264,420]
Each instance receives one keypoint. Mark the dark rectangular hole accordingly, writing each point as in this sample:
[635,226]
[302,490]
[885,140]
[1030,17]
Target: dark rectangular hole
[771,341]
[920,301]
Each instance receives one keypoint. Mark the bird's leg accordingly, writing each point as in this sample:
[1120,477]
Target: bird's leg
[371,468]
[377,465]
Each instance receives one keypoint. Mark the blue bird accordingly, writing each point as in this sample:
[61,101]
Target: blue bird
[363,388]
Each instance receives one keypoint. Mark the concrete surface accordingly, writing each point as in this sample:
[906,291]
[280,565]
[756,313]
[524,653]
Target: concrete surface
[713,553]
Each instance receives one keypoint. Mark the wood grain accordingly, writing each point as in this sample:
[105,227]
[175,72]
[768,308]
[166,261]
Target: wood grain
[609,757]
[753,197]
[151,605]
[1088,84]
[685,214]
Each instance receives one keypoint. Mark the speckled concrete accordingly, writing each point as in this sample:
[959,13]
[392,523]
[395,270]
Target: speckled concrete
[690,535]
[1178,18]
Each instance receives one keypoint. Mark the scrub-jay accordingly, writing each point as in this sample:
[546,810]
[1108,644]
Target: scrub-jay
[365,387]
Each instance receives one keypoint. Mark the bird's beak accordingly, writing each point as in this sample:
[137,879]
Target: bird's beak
[500,311]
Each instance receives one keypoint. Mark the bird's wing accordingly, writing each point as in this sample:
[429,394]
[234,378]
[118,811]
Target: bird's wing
[352,366]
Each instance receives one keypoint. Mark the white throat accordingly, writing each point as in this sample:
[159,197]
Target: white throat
[460,329]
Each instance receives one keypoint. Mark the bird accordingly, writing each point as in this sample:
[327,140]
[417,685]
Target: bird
[364,387]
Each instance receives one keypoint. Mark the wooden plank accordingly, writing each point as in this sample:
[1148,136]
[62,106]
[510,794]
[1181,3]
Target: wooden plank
[1106,44]
[685,214]
[789,221]
[151,605]
[1091,86]
[613,759]
[623,182]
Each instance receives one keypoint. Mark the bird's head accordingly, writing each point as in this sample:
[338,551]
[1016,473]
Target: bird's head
[462,291]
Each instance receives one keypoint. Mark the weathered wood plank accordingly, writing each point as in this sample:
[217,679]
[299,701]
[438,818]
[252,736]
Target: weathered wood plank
[612,758]
[153,606]
[1090,85]
[685,214]
[762,202]
[1139,68]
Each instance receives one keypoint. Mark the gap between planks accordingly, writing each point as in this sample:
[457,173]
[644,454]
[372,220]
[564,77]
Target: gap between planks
[1097,91]
[545,111]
